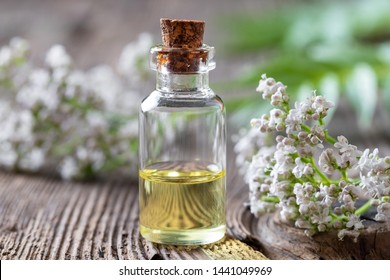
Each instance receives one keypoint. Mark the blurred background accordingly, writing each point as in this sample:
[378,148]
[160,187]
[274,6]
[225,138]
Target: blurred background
[95,31]
[303,40]
[339,48]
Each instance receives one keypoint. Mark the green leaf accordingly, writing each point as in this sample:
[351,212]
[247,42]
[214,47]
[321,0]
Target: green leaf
[362,89]
[386,95]
[255,32]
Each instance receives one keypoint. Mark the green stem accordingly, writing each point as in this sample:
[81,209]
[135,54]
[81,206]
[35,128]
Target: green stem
[329,138]
[319,173]
[336,217]
[286,107]
[344,175]
[306,127]
[364,208]
[272,199]
[299,180]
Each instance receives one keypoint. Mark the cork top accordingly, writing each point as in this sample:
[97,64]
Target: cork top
[183,51]
[180,33]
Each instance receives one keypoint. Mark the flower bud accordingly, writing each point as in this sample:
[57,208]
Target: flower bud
[337,211]
[279,138]
[337,224]
[321,228]
[302,135]
[288,141]
[280,127]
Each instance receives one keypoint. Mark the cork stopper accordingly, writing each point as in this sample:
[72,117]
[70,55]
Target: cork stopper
[183,50]
[179,33]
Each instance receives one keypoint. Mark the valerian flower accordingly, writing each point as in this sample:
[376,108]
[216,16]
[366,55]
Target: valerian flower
[57,57]
[305,173]
[81,123]
[302,169]
[383,212]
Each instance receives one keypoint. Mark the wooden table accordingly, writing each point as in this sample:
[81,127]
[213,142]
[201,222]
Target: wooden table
[46,218]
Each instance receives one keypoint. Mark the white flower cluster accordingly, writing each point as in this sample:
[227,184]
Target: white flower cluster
[82,122]
[317,194]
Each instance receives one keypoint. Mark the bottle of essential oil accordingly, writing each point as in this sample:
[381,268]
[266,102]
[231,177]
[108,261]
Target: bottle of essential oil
[182,130]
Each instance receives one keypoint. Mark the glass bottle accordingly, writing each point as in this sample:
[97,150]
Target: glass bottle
[182,151]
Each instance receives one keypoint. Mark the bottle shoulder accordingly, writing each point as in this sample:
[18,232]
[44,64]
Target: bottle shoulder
[158,100]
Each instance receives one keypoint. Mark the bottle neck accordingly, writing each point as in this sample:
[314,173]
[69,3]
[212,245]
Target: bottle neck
[183,82]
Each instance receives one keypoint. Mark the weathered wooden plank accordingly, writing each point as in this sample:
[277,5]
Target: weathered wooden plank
[45,218]
[281,241]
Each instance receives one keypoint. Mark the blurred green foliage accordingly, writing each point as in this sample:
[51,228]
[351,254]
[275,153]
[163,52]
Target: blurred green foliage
[332,47]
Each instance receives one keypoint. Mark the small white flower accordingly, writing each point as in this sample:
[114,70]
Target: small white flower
[300,223]
[39,91]
[33,160]
[272,90]
[354,234]
[304,194]
[259,207]
[279,96]
[342,144]
[97,159]
[133,61]
[265,86]
[17,126]
[276,119]
[262,124]
[59,75]
[19,46]
[279,189]
[354,222]
[39,78]
[283,161]
[295,117]
[69,168]
[76,84]
[383,210]
[316,136]
[348,202]
[97,121]
[288,212]
[82,154]
[377,185]
[57,57]
[8,155]
[5,56]
[345,148]
[328,161]
[319,214]
[17,49]
[106,86]
[369,161]
[349,153]
[321,105]
[302,169]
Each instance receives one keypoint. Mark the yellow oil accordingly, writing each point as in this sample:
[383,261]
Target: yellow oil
[182,203]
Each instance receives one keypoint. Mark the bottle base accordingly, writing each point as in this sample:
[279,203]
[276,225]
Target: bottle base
[183,237]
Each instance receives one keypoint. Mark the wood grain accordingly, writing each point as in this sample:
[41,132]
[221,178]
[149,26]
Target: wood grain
[45,218]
